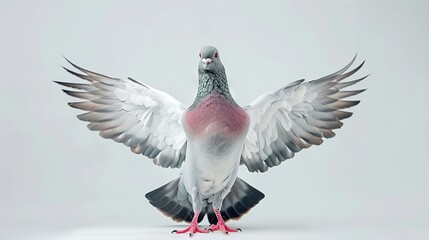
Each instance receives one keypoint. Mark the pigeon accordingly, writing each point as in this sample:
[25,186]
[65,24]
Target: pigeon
[210,139]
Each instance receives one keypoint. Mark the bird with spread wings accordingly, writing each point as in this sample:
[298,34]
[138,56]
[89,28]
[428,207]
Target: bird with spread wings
[210,139]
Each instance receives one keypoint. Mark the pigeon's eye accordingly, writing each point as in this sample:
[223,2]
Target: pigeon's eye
[199,54]
[216,55]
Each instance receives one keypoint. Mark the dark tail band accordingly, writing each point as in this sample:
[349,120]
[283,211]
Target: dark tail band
[239,201]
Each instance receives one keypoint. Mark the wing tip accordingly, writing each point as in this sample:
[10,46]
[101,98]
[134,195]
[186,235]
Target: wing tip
[60,83]
[138,82]
[83,70]
[79,75]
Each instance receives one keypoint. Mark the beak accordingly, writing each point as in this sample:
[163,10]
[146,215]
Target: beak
[206,62]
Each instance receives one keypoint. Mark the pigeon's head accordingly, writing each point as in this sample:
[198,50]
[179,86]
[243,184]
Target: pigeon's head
[209,60]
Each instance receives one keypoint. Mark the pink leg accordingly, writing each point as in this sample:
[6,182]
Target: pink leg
[221,226]
[193,227]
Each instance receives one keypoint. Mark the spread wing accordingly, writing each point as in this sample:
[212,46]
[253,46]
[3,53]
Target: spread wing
[145,119]
[296,116]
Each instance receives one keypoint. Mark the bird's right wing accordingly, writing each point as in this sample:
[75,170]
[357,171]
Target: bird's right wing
[145,119]
[294,117]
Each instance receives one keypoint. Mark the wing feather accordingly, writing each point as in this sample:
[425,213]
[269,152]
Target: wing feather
[295,117]
[146,120]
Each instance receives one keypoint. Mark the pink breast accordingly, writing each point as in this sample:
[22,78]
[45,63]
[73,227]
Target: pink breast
[216,115]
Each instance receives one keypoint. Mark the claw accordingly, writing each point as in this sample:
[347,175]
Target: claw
[192,228]
[221,226]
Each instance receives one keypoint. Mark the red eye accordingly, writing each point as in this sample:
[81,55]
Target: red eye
[216,55]
[199,54]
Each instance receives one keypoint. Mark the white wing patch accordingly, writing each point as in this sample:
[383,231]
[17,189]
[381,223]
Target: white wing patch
[129,112]
[294,117]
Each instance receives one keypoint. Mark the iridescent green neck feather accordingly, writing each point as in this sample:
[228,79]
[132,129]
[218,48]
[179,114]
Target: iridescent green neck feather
[212,83]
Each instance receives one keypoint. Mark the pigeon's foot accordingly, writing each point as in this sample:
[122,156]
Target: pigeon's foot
[193,227]
[221,226]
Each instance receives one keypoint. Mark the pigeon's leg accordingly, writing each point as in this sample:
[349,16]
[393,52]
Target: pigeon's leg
[193,227]
[221,226]
[197,206]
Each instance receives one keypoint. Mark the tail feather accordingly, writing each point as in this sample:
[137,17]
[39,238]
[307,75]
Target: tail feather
[165,199]
[239,201]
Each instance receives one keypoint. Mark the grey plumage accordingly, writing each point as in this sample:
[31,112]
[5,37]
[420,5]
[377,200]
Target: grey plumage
[303,124]
[128,122]
[239,201]
[215,135]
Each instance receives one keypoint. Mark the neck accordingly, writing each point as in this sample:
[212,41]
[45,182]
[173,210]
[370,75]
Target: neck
[212,83]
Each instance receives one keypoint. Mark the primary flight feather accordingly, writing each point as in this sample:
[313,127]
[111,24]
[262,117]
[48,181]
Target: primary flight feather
[214,136]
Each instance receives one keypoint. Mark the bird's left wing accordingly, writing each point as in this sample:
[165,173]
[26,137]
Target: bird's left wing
[294,117]
[146,120]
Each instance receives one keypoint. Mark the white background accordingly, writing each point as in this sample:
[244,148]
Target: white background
[59,180]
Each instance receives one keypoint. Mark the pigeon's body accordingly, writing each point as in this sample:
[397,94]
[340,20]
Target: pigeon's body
[215,129]
[211,138]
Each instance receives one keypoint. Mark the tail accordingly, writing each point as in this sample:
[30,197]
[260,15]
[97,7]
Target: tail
[239,201]
[165,199]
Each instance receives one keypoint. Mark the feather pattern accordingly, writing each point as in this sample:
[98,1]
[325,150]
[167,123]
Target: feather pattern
[296,116]
[146,120]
